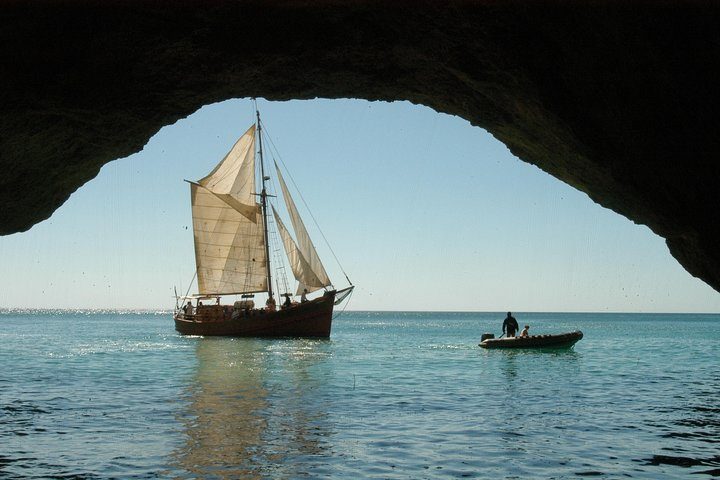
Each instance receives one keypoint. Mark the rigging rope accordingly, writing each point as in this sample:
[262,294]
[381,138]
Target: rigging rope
[190,284]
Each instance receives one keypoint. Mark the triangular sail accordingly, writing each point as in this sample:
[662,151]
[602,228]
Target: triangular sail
[233,179]
[300,267]
[305,245]
[228,225]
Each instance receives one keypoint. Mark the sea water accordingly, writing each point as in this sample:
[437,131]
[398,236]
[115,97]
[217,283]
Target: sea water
[88,395]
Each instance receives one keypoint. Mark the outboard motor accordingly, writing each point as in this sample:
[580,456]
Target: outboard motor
[486,336]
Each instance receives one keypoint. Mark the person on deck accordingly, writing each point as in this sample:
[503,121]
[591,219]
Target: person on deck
[510,325]
[188,309]
[288,302]
[524,332]
[270,304]
[303,297]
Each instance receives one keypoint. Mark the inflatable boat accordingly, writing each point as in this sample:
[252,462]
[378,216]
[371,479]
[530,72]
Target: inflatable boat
[533,341]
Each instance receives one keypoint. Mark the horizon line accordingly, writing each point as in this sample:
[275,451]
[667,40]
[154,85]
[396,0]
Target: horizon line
[500,312]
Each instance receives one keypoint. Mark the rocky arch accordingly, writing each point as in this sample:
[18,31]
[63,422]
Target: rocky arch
[618,100]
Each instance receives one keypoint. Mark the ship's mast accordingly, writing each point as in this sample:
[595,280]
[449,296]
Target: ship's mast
[263,203]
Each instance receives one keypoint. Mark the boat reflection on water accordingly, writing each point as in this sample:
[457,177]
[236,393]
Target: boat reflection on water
[254,407]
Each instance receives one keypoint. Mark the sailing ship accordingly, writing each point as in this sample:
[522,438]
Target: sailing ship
[233,256]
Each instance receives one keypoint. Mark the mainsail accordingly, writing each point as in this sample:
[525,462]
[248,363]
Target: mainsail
[304,260]
[228,225]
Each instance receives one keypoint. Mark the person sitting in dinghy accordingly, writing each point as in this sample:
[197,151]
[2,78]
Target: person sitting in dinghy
[511,325]
[524,332]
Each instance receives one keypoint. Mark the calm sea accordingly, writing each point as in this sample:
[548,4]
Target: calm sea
[88,395]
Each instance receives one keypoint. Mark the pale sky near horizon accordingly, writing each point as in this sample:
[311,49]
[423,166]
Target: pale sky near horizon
[424,211]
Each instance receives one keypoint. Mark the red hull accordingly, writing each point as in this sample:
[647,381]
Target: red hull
[310,319]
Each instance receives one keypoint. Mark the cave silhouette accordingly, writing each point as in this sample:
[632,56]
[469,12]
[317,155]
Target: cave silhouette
[619,100]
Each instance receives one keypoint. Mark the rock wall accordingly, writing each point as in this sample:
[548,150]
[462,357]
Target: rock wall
[617,99]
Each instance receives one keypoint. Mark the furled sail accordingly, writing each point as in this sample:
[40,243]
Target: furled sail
[228,225]
[305,246]
[300,267]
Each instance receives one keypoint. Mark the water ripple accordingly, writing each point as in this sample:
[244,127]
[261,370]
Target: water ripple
[120,395]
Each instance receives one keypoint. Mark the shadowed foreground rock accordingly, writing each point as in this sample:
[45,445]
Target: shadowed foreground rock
[618,101]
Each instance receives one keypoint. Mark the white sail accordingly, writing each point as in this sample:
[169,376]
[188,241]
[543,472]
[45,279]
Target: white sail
[305,245]
[233,179]
[228,225]
[300,267]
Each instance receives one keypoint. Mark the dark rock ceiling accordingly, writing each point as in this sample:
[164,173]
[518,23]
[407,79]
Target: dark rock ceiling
[618,99]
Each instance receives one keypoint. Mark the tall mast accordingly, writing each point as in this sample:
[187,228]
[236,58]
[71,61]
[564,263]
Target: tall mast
[263,202]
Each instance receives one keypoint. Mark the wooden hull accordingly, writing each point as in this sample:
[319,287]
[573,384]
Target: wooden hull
[562,340]
[310,319]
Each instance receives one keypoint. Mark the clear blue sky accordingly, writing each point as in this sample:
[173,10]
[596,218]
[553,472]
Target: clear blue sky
[424,211]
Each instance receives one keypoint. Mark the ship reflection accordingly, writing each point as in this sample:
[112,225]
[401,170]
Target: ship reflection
[255,409]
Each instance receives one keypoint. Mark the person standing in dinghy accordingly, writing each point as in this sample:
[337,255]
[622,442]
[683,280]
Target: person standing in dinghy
[510,325]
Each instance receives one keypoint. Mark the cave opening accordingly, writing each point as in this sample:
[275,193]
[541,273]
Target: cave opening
[429,211]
